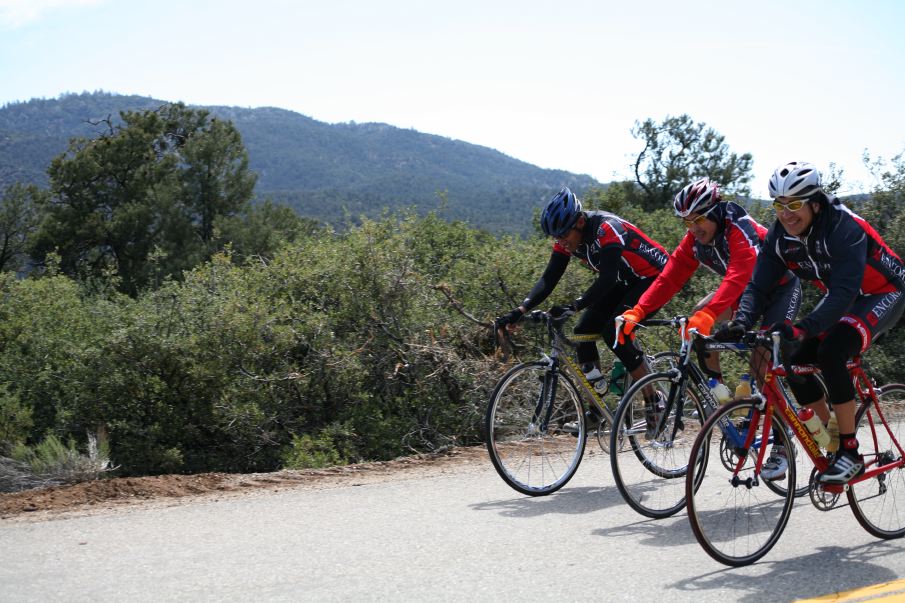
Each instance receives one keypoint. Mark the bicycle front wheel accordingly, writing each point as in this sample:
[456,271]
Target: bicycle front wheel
[879,502]
[734,516]
[535,428]
[648,465]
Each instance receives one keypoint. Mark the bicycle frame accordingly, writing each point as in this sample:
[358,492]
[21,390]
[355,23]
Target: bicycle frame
[559,353]
[775,400]
[688,370]
[561,358]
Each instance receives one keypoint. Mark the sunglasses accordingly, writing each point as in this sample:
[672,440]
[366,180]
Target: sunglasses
[792,206]
[564,235]
[698,220]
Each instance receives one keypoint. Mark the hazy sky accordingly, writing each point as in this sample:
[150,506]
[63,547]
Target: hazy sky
[556,84]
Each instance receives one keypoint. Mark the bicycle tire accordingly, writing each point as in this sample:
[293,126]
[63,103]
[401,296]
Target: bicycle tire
[879,503]
[735,519]
[533,459]
[648,471]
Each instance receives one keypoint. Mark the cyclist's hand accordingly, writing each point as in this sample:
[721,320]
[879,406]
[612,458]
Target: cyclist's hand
[510,318]
[702,320]
[730,331]
[792,338]
[630,320]
[562,311]
[789,332]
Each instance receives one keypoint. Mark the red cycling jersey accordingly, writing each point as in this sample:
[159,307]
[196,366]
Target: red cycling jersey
[731,254]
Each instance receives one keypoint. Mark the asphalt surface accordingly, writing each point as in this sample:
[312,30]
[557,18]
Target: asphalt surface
[456,537]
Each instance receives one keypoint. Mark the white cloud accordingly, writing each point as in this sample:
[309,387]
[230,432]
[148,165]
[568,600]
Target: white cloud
[16,13]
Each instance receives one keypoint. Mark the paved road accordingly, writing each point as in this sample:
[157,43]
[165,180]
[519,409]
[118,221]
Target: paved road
[458,537]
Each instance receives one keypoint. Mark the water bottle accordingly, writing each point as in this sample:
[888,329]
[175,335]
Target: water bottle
[815,426]
[742,390]
[720,391]
[617,378]
[832,428]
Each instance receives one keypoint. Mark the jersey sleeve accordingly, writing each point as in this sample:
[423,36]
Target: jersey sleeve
[847,247]
[742,259]
[768,270]
[542,289]
[679,268]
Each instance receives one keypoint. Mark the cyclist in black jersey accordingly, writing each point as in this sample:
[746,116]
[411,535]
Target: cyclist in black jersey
[626,262]
[824,242]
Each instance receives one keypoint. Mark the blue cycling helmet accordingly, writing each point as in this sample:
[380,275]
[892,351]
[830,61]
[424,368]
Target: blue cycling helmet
[560,214]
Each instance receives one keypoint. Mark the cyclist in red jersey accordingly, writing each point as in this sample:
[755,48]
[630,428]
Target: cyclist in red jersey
[724,238]
[626,262]
[862,279]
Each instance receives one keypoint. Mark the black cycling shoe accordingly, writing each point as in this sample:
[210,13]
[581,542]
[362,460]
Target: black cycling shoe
[592,419]
[844,467]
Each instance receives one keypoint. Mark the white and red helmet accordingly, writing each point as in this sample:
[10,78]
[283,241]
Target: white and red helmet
[795,179]
[697,197]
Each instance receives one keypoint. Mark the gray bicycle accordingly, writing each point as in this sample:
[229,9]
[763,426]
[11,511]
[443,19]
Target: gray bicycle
[541,412]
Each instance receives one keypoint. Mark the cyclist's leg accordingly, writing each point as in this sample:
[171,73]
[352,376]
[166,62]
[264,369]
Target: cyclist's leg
[782,305]
[806,388]
[624,298]
[868,317]
[634,359]
[598,319]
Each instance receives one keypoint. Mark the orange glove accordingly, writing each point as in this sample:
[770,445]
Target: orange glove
[631,318]
[702,320]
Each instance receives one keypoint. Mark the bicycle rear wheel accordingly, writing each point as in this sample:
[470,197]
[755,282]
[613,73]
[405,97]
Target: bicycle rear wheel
[734,516]
[535,428]
[879,503]
[648,469]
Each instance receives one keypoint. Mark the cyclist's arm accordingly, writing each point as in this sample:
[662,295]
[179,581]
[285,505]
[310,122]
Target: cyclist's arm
[768,270]
[542,289]
[847,246]
[742,258]
[680,267]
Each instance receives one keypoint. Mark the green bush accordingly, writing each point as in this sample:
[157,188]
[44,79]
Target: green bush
[324,449]
[51,462]
[340,347]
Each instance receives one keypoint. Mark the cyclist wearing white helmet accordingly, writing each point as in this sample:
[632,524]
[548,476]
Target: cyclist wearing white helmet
[824,242]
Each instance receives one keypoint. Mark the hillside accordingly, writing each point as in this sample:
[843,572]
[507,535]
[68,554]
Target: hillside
[322,170]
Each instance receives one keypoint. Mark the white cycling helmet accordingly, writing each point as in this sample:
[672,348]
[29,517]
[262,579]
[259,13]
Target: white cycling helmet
[699,196]
[795,179]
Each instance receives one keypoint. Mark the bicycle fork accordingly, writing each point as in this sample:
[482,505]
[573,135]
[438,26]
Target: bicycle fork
[543,410]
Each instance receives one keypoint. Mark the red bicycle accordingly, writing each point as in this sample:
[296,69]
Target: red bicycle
[737,519]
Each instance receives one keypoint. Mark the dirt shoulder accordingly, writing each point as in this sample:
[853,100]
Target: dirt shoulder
[107,494]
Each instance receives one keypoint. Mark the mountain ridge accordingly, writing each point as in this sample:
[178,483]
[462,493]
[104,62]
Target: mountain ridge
[324,171]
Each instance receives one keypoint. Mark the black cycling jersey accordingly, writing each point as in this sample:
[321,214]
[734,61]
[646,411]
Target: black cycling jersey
[614,248]
[841,254]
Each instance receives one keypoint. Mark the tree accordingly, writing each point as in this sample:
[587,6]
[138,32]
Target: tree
[262,229]
[18,221]
[140,200]
[677,151]
[215,181]
[887,200]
